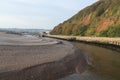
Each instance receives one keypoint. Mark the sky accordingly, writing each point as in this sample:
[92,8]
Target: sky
[38,14]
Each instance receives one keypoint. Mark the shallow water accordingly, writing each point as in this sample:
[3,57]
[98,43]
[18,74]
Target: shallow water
[105,64]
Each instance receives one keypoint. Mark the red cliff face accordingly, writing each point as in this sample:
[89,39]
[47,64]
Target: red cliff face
[104,25]
[92,20]
[86,20]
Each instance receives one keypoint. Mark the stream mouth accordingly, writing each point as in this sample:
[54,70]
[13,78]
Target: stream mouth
[26,57]
[105,64]
[63,61]
[88,62]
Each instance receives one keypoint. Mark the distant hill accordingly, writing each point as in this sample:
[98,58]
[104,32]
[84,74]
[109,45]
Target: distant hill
[100,19]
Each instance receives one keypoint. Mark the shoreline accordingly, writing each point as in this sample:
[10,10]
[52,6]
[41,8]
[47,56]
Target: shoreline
[49,71]
[110,43]
[40,62]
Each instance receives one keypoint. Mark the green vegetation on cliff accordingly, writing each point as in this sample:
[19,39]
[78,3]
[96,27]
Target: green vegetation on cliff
[100,19]
[113,31]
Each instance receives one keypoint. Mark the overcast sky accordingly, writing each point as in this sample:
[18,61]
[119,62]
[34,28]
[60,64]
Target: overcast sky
[42,14]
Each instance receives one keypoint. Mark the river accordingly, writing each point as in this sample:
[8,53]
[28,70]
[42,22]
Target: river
[105,64]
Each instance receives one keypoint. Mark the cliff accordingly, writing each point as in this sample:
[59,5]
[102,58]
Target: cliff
[99,19]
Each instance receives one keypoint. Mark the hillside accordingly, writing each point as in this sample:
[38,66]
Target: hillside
[100,19]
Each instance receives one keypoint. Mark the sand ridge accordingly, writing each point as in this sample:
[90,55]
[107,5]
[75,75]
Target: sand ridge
[38,62]
[13,39]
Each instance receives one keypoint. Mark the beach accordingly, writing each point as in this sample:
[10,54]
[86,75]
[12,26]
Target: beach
[28,57]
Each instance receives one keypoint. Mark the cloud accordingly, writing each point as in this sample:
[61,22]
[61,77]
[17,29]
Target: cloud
[38,13]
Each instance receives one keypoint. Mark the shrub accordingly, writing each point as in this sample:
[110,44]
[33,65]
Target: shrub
[80,30]
[113,31]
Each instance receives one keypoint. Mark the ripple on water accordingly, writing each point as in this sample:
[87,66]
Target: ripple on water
[87,75]
[106,64]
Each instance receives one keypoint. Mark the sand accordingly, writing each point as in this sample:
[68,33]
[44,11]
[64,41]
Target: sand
[28,57]
[12,39]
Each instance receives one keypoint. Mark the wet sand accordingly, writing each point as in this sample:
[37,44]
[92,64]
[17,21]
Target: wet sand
[30,58]
[13,39]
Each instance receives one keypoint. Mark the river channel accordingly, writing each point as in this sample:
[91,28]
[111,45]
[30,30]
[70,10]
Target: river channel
[105,64]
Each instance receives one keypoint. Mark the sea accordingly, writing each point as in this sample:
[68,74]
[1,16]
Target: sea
[30,31]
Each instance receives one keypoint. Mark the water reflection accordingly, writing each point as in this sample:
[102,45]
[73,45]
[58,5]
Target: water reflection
[105,64]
